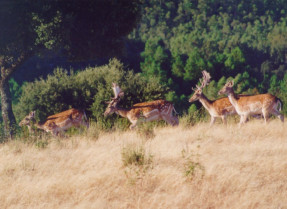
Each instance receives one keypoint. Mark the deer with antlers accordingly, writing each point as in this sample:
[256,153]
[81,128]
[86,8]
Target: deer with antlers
[58,123]
[264,104]
[217,108]
[144,112]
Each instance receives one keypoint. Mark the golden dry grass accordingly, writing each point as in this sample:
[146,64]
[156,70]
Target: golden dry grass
[232,168]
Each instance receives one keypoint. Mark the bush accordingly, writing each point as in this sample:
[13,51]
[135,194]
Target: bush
[132,155]
[87,90]
[193,116]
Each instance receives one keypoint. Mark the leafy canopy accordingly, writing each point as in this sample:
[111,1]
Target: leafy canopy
[81,29]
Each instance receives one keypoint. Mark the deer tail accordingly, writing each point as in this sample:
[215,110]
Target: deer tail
[280,104]
[86,119]
[174,110]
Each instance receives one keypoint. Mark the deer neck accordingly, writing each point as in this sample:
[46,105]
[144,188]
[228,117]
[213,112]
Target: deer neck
[232,98]
[205,102]
[39,126]
[122,111]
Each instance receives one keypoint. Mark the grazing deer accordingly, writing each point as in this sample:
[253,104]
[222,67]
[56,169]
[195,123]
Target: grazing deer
[251,105]
[217,108]
[146,111]
[57,123]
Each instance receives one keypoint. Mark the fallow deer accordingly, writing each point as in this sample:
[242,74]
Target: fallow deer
[264,104]
[217,108]
[146,111]
[57,123]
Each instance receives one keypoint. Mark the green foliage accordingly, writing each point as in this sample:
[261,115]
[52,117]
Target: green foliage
[194,65]
[155,59]
[241,39]
[178,66]
[15,90]
[279,89]
[193,116]
[87,90]
[234,59]
[80,28]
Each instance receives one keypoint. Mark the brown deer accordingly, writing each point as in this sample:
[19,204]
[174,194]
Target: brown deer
[264,104]
[58,123]
[146,111]
[217,108]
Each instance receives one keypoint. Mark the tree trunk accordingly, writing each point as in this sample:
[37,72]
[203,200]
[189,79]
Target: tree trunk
[7,68]
[7,113]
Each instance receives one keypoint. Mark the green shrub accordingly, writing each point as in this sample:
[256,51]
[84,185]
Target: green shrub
[193,116]
[87,90]
[133,155]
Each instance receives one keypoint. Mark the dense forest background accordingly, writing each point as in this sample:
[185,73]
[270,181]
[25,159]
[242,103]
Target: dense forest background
[175,40]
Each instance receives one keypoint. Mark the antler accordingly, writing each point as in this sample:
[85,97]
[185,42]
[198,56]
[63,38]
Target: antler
[117,91]
[205,80]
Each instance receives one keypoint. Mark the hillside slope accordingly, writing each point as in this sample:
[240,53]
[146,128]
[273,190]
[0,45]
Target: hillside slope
[196,167]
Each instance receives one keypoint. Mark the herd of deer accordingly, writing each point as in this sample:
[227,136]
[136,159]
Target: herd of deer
[243,105]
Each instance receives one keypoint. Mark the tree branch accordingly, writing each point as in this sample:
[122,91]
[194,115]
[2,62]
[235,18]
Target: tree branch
[7,71]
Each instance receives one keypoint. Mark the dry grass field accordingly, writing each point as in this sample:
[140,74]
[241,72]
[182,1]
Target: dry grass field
[195,167]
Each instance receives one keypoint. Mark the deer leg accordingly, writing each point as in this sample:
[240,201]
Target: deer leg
[167,120]
[223,118]
[278,114]
[134,124]
[243,119]
[172,120]
[265,115]
[87,124]
[175,121]
[212,121]
[54,133]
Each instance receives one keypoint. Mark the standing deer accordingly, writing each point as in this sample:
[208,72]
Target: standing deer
[217,108]
[146,111]
[264,104]
[57,123]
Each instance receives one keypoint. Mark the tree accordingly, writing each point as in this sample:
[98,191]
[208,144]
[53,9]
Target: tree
[78,29]
[155,60]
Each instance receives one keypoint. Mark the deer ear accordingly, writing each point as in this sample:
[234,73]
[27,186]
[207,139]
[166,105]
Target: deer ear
[32,113]
[231,83]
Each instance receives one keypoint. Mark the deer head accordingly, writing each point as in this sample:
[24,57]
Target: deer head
[28,119]
[112,105]
[198,90]
[227,88]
